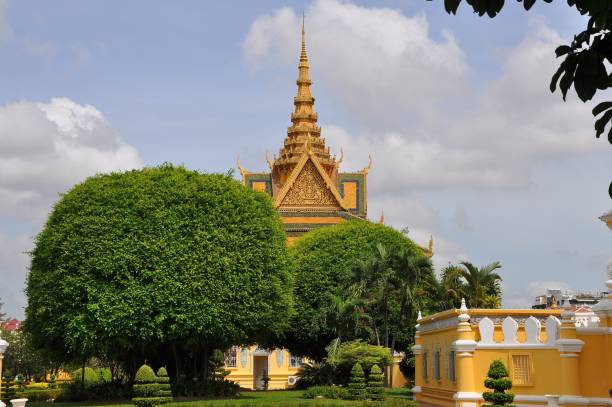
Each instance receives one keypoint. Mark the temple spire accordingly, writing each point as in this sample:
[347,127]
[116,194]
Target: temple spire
[304,131]
[303,55]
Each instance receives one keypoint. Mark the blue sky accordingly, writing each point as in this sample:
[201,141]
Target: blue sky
[468,143]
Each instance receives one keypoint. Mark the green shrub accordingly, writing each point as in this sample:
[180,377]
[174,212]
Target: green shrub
[357,386]
[147,387]
[91,377]
[375,389]
[35,395]
[8,390]
[73,392]
[315,374]
[328,392]
[352,352]
[104,375]
[164,384]
[499,382]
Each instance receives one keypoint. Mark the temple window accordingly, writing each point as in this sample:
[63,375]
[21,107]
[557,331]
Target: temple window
[424,367]
[521,370]
[296,361]
[451,365]
[231,357]
[437,365]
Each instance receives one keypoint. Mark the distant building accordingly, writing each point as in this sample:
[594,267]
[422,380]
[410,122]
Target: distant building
[11,325]
[555,297]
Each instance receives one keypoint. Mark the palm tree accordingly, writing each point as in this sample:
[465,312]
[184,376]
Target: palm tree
[374,284]
[451,287]
[482,286]
[414,282]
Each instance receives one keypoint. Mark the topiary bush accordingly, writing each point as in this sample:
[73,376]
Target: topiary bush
[104,375]
[8,390]
[164,384]
[146,388]
[499,382]
[375,388]
[357,385]
[91,378]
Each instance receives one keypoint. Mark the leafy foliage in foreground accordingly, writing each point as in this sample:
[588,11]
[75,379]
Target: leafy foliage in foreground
[584,65]
[211,250]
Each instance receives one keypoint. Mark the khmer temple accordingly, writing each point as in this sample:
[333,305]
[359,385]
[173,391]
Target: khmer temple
[304,180]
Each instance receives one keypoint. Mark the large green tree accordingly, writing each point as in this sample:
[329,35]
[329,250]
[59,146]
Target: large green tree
[155,262]
[584,58]
[325,261]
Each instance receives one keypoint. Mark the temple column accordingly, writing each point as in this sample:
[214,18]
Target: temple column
[464,346]
[569,347]
[417,349]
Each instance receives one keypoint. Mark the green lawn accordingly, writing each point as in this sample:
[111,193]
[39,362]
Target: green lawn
[396,398]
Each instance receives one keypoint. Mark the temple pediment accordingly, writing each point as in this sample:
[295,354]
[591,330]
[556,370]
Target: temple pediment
[309,186]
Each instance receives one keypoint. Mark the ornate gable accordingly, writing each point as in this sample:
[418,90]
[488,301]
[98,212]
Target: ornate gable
[309,189]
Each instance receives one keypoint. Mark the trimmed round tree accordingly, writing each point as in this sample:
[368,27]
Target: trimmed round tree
[375,389]
[165,391]
[146,388]
[130,261]
[324,262]
[90,378]
[499,382]
[357,384]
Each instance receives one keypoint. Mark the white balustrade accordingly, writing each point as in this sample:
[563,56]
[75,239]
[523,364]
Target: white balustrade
[486,328]
[532,330]
[510,330]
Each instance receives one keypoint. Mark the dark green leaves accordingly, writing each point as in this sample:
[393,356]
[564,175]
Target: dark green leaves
[451,6]
[135,259]
[601,123]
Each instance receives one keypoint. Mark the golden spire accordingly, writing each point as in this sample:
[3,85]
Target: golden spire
[303,130]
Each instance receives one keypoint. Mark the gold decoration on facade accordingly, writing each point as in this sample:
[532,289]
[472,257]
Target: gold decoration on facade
[243,172]
[303,134]
[309,189]
[367,169]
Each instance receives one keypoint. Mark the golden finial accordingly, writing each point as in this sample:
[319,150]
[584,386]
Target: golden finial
[367,169]
[270,162]
[382,218]
[243,172]
[341,156]
[430,247]
[303,56]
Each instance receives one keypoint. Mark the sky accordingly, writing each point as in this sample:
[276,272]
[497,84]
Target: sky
[468,144]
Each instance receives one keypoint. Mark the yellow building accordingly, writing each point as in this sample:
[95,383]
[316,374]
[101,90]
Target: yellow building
[551,361]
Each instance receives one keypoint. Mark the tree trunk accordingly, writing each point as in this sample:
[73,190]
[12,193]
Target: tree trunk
[205,364]
[83,375]
[177,371]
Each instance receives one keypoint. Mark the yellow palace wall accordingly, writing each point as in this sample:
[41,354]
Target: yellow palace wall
[574,365]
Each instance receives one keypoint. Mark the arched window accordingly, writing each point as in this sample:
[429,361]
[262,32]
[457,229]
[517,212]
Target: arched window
[231,357]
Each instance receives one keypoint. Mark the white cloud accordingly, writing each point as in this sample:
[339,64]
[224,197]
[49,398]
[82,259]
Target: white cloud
[45,148]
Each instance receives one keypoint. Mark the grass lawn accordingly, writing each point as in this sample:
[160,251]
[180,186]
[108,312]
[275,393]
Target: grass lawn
[395,398]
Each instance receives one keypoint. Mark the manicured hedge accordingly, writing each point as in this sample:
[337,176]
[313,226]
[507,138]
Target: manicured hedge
[327,392]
